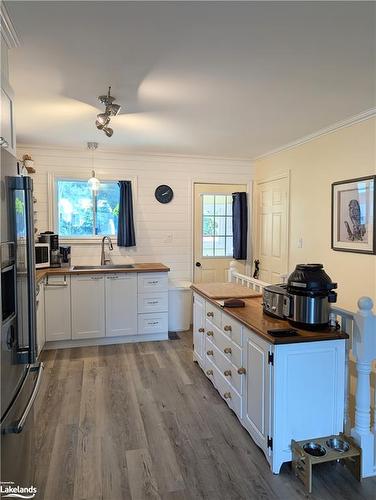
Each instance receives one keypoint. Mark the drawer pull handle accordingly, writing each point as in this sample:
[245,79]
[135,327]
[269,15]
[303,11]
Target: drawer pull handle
[227,395]
[241,371]
[153,322]
[152,282]
[210,314]
[227,373]
[227,350]
[209,372]
[210,333]
[210,353]
[227,328]
[152,302]
[201,330]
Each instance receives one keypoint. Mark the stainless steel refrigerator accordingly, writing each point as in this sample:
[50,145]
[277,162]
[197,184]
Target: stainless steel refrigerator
[20,373]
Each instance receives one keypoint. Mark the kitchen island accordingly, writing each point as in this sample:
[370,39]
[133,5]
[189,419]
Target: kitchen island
[280,388]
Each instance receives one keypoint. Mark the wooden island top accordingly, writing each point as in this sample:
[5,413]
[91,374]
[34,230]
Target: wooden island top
[148,267]
[253,317]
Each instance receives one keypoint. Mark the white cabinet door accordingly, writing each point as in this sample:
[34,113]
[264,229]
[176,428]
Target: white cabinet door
[199,329]
[87,306]
[57,308]
[121,304]
[7,140]
[256,395]
[41,333]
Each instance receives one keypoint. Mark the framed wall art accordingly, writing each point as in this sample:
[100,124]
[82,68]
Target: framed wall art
[353,215]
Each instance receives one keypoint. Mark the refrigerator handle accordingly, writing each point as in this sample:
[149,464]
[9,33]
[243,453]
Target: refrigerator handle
[17,427]
[31,283]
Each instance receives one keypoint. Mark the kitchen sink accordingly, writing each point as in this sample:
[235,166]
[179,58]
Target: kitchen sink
[104,266]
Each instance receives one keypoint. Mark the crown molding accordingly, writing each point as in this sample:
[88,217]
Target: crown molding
[7,28]
[365,115]
[106,152]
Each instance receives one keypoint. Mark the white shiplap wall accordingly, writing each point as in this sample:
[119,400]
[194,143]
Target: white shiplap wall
[163,232]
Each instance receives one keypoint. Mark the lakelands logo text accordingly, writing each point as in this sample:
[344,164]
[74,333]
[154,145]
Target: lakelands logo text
[9,490]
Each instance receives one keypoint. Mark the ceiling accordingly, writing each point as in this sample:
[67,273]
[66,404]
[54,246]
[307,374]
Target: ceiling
[233,79]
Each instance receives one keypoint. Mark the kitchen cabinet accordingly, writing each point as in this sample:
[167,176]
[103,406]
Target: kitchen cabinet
[57,308]
[41,332]
[279,392]
[7,139]
[87,303]
[121,304]
[198,329]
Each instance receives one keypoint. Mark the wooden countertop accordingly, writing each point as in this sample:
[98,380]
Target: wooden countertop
[149,267]
[253,317]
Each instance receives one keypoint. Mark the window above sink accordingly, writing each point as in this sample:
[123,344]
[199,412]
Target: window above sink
[80,215]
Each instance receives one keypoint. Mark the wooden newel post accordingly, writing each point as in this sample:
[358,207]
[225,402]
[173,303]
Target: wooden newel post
[364,350]
[231,270]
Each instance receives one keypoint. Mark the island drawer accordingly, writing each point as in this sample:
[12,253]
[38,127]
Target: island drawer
[152,282]
[226,368]
[231,350]
[153,302]
[213,314]
[232,328]
[226,391]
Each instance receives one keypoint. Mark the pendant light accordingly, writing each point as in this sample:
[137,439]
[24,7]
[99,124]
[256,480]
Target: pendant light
[93,182]
[111,109]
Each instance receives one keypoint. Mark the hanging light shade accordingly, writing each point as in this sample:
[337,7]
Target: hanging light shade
[93,182]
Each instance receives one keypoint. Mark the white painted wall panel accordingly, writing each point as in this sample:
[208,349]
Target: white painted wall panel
[163,232]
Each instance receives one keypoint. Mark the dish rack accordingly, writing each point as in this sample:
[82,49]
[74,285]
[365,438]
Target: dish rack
[307,453]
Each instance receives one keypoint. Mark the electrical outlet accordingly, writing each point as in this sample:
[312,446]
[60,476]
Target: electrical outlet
[300,242]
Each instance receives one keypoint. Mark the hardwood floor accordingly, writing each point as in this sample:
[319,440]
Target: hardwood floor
[141,421]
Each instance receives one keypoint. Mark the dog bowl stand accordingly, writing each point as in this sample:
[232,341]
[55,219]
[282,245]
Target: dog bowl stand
[302,461]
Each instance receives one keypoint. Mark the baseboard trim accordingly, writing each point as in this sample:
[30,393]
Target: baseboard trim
[65,344]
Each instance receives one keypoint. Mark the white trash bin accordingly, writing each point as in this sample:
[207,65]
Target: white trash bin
[179,305]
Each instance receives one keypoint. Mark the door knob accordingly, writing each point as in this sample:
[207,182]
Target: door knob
[198,264]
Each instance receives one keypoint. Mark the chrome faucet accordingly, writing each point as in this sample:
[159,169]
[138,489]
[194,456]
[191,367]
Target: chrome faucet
[105,261]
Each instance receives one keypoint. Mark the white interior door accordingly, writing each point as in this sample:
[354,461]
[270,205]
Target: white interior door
[213,231]
[272,228]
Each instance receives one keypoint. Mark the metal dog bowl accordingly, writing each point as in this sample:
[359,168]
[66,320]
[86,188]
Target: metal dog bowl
[338,444]
[314,449]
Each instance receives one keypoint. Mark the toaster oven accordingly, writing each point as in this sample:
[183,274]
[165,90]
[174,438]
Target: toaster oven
[42,255]
[273,300]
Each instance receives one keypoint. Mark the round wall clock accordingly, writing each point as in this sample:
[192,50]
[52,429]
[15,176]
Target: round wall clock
[164,194]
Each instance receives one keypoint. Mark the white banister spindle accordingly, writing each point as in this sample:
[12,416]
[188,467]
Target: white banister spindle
[364,350]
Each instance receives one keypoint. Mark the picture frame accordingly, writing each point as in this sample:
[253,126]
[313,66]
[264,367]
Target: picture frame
[353,215]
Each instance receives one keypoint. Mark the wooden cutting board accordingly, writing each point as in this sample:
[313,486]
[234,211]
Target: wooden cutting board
[225,290]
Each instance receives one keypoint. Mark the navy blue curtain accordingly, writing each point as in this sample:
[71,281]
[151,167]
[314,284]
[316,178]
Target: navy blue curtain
[126,236]
[239,225]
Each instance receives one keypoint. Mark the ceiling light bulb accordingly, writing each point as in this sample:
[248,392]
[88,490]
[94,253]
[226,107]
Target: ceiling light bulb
[103,118]
[93,182]
[108,131]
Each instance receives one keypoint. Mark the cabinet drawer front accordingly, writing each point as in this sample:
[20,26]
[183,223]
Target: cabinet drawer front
[225,367]
[152,323]
[153,302]
[213,314]
[152,282]
[232,328]
[231,397]
[231,350]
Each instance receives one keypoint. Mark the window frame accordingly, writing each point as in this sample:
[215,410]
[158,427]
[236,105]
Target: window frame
[202,227]
[74,176]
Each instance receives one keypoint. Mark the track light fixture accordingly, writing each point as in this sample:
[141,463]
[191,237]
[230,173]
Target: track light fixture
[111,109]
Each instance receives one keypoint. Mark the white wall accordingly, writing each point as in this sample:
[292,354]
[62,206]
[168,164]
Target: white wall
[344,154]
[163,232]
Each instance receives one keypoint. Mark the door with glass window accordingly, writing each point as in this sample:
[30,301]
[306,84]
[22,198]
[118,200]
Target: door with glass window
[213,247]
